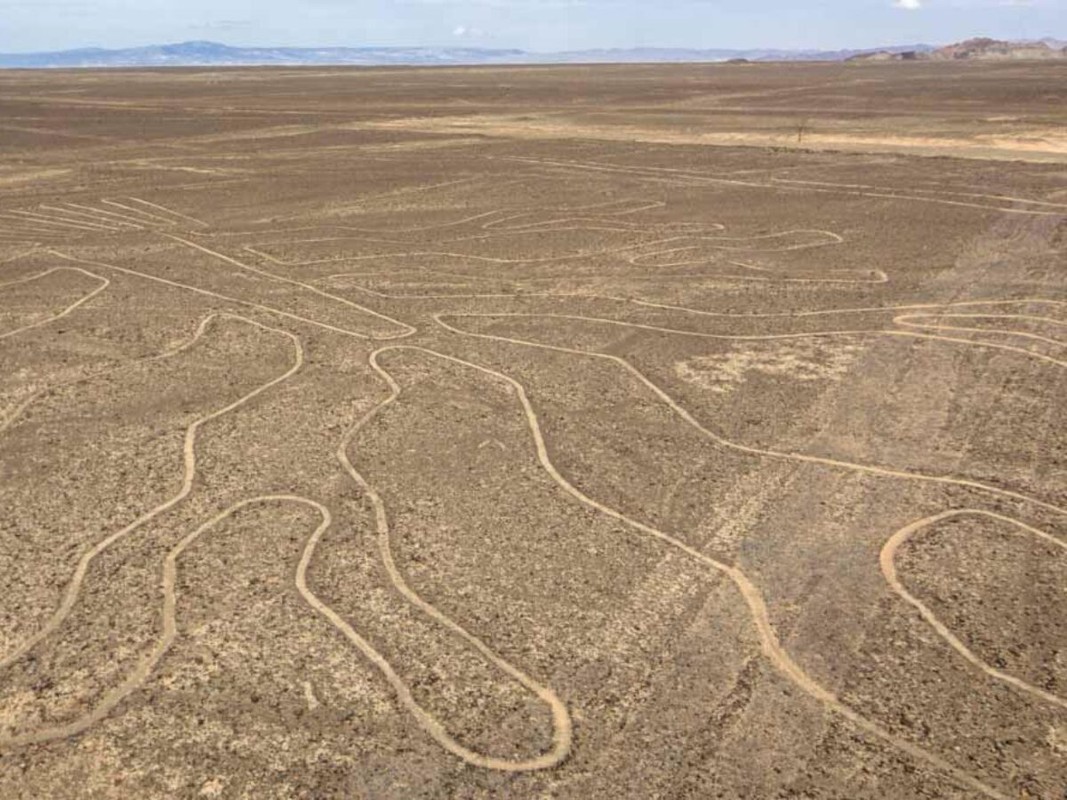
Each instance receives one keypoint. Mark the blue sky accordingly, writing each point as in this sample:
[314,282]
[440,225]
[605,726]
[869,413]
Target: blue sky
[540,25]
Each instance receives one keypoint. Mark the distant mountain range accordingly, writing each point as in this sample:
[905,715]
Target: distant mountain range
[976,50]
[213,54]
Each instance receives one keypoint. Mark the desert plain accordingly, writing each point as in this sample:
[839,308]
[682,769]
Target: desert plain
[686,431]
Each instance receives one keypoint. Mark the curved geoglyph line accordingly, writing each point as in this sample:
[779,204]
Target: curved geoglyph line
[15,413]
[663,173]
[169,211]
[831,311]
[694,238]
[561,722]
[408,330]
[768,637]
[887,560]
[909,320]
[999,197]
[73,588]
[217,295]
[760,337]
[104,283]
[140,674]
[758,451]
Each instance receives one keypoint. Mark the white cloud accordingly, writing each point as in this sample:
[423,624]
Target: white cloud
[910,5]
[466,32]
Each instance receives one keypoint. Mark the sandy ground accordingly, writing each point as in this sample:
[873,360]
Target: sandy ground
[677,432]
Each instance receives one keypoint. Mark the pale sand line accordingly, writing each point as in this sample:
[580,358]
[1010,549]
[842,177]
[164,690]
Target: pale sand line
[394,231]
[9,420]
[207,293]
[309,696]
[413,190]
[408,330]
[498,221]
[757,451]
[769,642]
[115,224]
[595,211]
[420,253]
[49,220]
[166,210]
[385,296]
[906,320]
[773,184]
[152,218]
[1005,198]
[714,243]
[189,475]
[140,674]
[255,249]
[76,304]
[561,721]
[902,319]
[1025,317]
[784,336]
[878,276]
[30,226]
[104,214]
[17,256]
[652,172]
[560,295]
[887,559]
[821,312]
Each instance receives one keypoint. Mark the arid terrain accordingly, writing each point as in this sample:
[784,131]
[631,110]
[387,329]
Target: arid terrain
[571,432]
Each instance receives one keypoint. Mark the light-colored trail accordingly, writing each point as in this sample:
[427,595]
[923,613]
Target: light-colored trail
[73,588]
[145,215]
[999,197]
[112,224]
[16,412]
[652,247]
[217,295]
[658,173]
[140,674]
[909,320]
[406,330]
[24,225]
[166,210]
[769,642]
[832,311]
[103,213]
[19,255]
[104,283]
[736,243]
[425,253]
[887,559]
[561,721]
[62,224]
[757,337]
[759,451]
